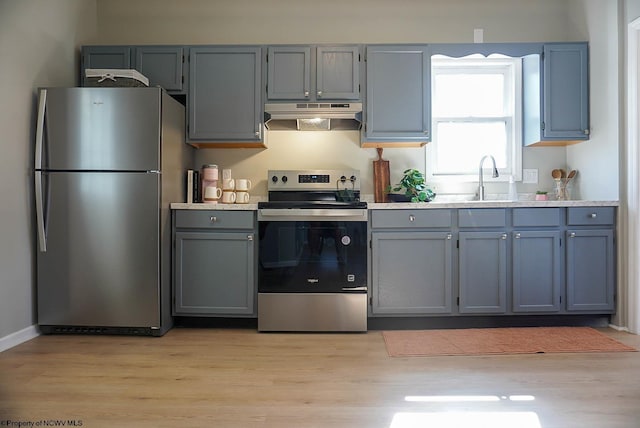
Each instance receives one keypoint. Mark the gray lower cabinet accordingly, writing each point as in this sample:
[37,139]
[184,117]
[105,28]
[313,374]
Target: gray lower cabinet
[225,97]
[537,260]
[412,273]
[591,264]
[214,263]
[412,270]
[536,271]
[482,272]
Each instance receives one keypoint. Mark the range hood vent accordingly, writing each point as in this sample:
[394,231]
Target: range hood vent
[313,116]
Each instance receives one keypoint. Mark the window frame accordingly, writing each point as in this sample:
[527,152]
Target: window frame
[511,67]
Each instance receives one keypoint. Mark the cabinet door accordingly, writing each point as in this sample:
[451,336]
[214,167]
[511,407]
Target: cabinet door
[590,270]
[398,96]
[536,271]
[566,91]
[412,273]
[224,94]
[338,73]
[162,65]
[118,57]
[289,73]
[483,272]
[214,273]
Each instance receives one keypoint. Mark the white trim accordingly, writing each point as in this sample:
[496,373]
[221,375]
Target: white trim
[15,339]
[619,328]
[632,180]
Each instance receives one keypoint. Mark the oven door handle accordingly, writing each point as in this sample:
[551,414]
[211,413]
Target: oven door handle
[358,289]
[286,214]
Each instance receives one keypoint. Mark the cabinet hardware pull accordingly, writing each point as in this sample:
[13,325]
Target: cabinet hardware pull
[593,215]
[412,217]
[306,94]
[504,236]
[250,237]
[572,235]
[319,93]
[518,236]
[213,219]
[449,236]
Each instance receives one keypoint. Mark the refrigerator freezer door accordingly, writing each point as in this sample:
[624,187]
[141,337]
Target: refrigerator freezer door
[112,129]
[101,265]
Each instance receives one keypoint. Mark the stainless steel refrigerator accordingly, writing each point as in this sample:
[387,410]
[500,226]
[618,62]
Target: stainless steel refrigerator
[108,162]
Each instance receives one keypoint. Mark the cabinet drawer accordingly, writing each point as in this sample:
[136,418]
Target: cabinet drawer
[591,216]
[536,217]
[214,219]
[420,218]
[482,217]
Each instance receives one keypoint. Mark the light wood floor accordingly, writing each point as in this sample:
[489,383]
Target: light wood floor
[241,378]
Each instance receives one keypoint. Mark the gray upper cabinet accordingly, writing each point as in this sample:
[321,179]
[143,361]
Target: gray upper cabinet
[556,95]
[118,57]
[313,73]
[225,103]
[398,102]
[162,65]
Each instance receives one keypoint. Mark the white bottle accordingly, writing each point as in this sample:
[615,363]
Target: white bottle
[513,193]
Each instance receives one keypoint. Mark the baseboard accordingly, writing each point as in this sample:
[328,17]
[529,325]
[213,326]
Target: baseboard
[619,328]
[14,339]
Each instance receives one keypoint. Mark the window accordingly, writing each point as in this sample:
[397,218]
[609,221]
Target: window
[476,112]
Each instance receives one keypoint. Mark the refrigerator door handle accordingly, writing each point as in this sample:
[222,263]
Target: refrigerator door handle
[42,102]
[42,239]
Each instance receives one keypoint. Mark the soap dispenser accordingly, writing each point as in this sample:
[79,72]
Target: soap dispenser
[513,193]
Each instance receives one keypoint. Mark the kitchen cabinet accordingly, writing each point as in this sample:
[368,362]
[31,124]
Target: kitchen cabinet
[536,260]
[590,259]
[482,267]
[214,263]
[225,103]
[398,101]
[313,73]
[412,270]
[556,95]
[162,65]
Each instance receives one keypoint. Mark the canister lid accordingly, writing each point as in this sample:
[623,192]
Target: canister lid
[210,166]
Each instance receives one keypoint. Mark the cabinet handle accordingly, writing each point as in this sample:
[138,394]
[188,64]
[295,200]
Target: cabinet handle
[572,235]
[306,94]
[504,236]
[449,236]
[249,237]
[593,215]
[213,219]
[319,93]
[412,218]
[586,132]
[518,235]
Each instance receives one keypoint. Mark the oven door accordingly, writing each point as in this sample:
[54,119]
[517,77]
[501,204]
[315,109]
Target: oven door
[312,251]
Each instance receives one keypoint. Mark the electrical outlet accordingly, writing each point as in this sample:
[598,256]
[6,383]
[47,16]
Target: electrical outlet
[529,176]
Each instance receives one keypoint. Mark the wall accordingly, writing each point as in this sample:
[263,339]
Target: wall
[376,21]
[38,47]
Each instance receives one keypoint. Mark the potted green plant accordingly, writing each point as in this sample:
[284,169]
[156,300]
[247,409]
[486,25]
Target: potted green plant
[414,187]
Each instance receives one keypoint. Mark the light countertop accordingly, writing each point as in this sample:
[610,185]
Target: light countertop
[253,205]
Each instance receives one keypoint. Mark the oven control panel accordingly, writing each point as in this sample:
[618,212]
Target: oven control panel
[313,180]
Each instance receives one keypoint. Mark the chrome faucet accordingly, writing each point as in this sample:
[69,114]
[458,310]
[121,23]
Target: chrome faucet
[481,180]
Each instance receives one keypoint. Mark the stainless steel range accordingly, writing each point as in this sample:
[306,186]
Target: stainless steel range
[312,273]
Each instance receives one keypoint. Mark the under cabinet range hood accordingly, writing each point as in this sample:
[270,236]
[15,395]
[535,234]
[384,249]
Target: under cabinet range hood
[313,116]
